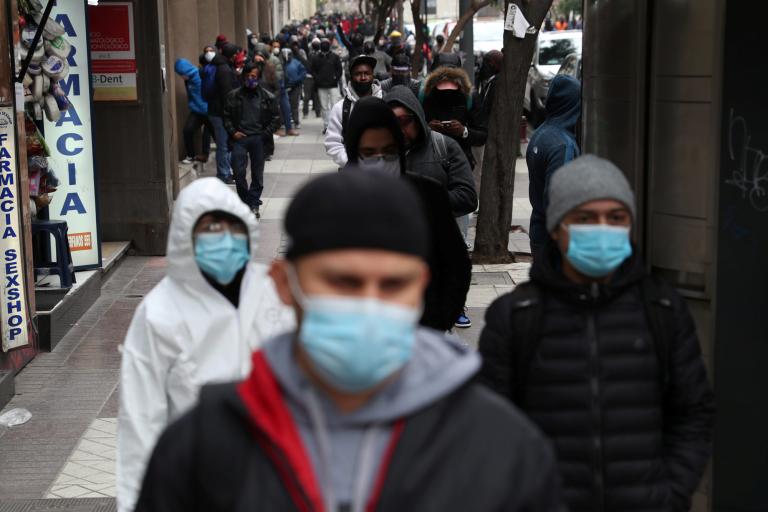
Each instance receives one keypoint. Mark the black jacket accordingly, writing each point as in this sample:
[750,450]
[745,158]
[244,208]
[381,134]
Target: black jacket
[423,157]
[225,81]
[462,105]
[449,263]
[414,85]
[467,451]
[269,113]
[624,441]
[326,69]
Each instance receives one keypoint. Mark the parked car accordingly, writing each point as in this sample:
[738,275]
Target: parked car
[552,48]
[571,66]
[488,35]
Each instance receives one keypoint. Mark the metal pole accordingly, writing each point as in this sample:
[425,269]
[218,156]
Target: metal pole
[467,43]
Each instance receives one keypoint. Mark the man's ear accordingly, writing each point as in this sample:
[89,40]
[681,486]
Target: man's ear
[279,274]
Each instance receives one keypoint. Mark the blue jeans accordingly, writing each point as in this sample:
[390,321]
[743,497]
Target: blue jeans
[285,108]
[253,147]
[220,135]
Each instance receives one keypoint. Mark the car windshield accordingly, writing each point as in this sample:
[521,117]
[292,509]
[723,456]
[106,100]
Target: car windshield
[552,52]
[488,31]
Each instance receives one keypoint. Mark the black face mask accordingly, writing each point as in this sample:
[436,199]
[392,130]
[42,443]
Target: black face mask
[362,88]
[449,97]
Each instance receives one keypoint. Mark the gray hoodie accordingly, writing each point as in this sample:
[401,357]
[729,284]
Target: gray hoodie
[425,156]
[346,449]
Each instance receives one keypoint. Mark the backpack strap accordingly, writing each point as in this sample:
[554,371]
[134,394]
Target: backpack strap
[439,146]
[660,314]
[346,108]
[527,313]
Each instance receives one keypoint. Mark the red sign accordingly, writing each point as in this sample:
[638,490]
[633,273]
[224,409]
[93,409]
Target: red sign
[113,51]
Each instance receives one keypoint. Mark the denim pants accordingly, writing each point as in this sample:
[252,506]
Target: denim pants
[253,147]
[223,170]
[285,108]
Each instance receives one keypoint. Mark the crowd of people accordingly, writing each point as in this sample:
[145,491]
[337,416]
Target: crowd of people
[329,380]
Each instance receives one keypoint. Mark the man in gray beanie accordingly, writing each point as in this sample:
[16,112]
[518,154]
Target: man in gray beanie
[601,356]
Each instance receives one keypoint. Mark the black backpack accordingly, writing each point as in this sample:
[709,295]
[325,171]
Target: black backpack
[527,311]
[346,108]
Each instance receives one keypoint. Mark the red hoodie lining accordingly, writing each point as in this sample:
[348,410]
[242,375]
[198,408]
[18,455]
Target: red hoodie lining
[262,397]
[280,439]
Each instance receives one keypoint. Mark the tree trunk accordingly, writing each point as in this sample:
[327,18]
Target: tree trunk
[417,59]
[498,182]
[400,11]
[476,6]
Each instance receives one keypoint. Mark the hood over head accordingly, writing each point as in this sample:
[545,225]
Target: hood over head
[452,74]
[202,196]
[403,96]
[371,112]
[185,68]
[563,104]
[439,365]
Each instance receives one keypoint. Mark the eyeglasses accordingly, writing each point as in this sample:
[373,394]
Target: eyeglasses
[221,227]
[405,120]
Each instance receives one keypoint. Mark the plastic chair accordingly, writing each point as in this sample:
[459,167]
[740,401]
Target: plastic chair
[63,266]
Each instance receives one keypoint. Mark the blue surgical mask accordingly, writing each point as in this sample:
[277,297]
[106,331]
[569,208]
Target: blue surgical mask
[596,250]
[221,255]
[355,343]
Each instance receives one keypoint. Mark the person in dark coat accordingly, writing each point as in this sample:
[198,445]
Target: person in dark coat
[424,148]
[449,262]
[551,146]
[401,75]
[603,357]
[250,115]
[358,408]
[325,67]
[225,82]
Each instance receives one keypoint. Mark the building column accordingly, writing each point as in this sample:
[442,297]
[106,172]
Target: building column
[252,14]
[241,23]
[227,19]
[208,11]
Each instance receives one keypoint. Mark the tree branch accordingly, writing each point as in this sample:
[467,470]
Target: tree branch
[463,20]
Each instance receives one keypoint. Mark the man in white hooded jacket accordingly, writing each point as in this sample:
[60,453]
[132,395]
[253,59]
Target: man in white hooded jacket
[362,84]
[199,325]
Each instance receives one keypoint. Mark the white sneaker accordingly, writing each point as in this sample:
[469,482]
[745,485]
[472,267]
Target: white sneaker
[188,160]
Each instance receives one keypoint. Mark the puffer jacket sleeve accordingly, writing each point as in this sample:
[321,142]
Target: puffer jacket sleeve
[461,182]
[497,371]
[274,113]
[688,412]
[334,140]
[143,412]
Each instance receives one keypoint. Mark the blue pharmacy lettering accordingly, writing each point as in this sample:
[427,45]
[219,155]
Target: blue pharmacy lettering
[64,148]
[72,203]
[69,116]
[72,173]
[71,86]
[63,19]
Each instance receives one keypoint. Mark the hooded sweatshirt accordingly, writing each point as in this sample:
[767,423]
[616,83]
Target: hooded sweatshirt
[424,157]
[334,137]
[194,86]
[553,145]
[423,442]
[185,334]
[339,444]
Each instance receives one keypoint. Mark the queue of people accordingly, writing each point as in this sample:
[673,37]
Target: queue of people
[329,381]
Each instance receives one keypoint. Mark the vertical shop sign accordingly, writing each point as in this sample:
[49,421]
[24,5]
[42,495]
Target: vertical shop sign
[71,143]
[14,308]
[113,51]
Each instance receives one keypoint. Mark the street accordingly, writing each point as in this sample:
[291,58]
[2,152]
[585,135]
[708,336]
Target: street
[64,457]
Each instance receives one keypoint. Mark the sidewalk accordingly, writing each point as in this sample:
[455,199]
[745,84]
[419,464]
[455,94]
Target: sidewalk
[66,452]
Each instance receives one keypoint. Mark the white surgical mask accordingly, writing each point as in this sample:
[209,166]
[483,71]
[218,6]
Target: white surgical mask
[209,56]
[379,164]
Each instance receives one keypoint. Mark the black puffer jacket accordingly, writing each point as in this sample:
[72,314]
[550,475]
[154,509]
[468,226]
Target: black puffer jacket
[593,386]
[452,170]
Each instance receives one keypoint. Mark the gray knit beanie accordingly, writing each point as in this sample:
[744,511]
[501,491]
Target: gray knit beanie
[587,178]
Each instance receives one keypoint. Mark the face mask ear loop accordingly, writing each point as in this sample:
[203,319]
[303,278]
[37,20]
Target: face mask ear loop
[293,284]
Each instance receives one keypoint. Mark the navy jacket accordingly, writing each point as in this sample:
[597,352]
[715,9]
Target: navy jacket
[194,86]
[553,144]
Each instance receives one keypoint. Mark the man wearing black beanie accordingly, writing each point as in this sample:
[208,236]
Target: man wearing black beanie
[358,408]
